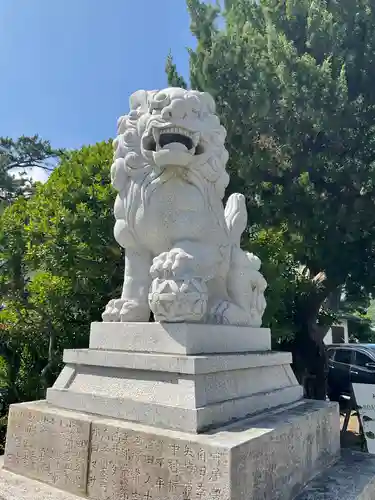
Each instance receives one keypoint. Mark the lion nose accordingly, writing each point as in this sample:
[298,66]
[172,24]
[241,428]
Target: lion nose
[177,110]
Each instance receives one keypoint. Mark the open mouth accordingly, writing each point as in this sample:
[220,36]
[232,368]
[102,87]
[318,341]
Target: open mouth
[173,138]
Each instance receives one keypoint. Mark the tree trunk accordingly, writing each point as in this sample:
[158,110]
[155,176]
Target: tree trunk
[310,361]
[310,364]
[47,374]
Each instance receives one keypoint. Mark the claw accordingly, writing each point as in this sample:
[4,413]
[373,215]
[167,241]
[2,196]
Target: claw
[126,310]
[112,310]
[134,312]
[167,266]
[169,262]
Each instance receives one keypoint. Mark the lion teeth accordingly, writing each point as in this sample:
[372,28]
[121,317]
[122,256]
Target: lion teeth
[177,130]
[156,134]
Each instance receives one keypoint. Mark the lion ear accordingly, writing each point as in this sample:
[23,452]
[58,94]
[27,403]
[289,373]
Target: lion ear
[138,100]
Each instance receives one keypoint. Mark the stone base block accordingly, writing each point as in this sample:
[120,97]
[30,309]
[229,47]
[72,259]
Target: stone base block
[339,482]
[271,456]
[188,393]
[49,444]
[178,338]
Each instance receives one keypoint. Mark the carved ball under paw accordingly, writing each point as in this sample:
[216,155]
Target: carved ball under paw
[178,300]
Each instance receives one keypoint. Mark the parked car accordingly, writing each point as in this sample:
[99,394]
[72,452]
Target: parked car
[349,363]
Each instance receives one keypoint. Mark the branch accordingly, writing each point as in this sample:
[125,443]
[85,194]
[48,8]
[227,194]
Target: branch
[28,164]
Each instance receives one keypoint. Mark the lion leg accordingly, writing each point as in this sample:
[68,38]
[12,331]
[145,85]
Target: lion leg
[133,304]
[246,285]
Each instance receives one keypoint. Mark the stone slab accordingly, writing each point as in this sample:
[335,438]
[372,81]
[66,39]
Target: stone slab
[291,448]
[178,338]
[173,417]
[155,466]
[351,478]
[16,487]
[176,363]
[179,390]
[271,456]
[48,444]
[189,393]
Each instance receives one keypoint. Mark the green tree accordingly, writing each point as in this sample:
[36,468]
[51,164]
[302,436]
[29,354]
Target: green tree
[361,322]
[371,312]
[19,156]
[60,267]
[175,80]
[293,80]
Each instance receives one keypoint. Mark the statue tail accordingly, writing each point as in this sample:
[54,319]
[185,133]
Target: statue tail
[236,217]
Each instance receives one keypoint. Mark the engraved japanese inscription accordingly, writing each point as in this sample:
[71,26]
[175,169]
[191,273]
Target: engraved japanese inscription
[48,447]
[129,465]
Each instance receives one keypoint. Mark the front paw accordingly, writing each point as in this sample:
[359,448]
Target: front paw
[112,310]
[172,263]
[132,311]
[125,310]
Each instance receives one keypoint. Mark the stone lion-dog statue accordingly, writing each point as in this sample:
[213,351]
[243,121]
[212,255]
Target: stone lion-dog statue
[183,259]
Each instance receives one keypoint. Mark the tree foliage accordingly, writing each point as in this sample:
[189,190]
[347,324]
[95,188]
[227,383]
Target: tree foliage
[175,80]
[60,265]
[293,81]
[18,157]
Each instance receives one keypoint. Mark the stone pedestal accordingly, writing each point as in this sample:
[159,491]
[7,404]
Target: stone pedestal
[174,412]
[176,387]
[268,456]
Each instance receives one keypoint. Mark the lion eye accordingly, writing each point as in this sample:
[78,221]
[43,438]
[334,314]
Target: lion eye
[160,101]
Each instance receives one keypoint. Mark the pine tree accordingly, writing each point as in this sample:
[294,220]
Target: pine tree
[17,157]
[293,80]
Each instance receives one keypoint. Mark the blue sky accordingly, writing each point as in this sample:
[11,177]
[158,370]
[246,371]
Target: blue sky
[69,66]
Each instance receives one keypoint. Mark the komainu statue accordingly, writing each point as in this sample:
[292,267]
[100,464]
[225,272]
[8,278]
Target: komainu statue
[183,259]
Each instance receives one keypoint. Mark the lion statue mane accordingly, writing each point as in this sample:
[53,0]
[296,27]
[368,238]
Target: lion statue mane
[183,259]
